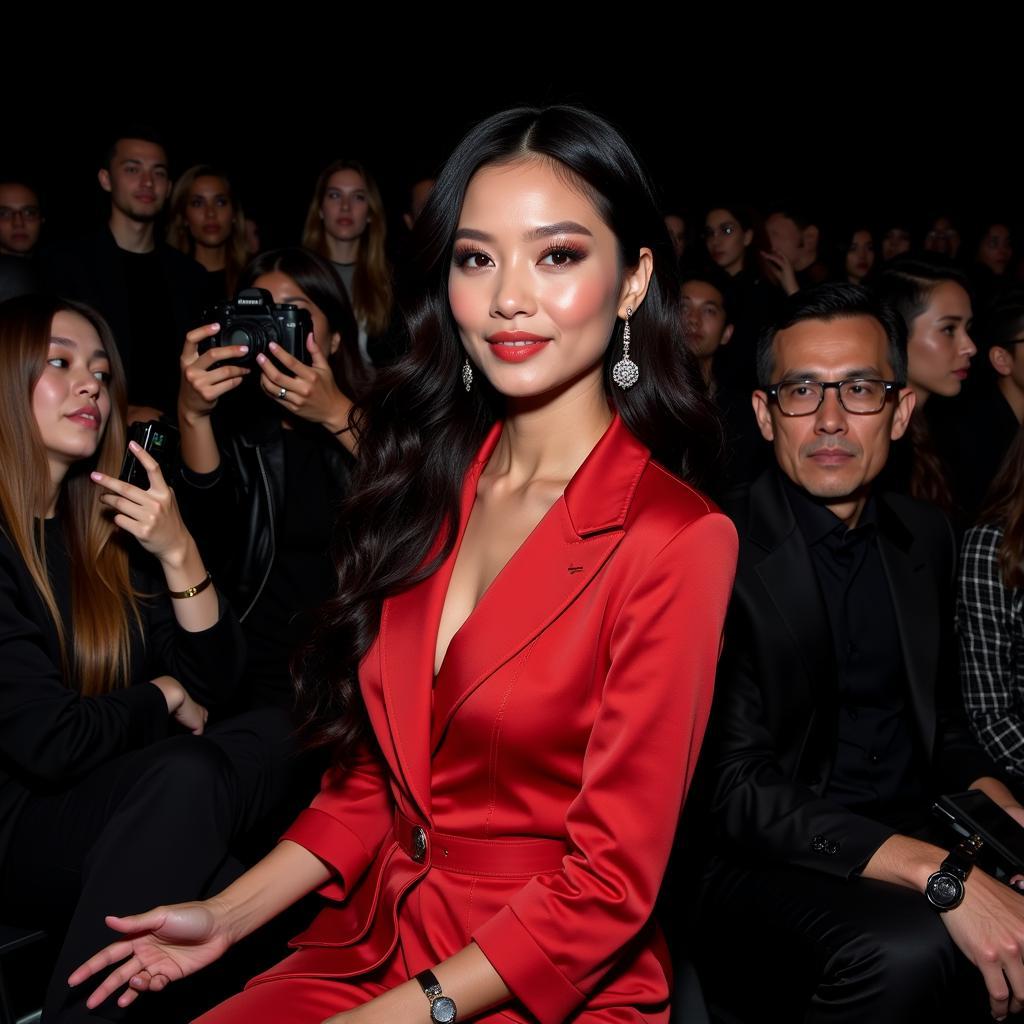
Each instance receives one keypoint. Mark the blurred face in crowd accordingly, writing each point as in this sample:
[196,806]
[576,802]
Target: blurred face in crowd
[285,291]
[940,348]
[418,196]
[833,454]
[942,238]
[726,240]
[799,245]
[209,211]
[676,227]
[860,256]
[345,208]
[536,281]
[137,179]
[20,219]
[994,250]
[895,242]
[704,320]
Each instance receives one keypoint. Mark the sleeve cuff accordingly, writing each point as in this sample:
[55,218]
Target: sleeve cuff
[526,969]
[335,844]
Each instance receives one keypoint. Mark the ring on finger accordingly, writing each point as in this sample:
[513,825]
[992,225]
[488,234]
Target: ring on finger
[282,392]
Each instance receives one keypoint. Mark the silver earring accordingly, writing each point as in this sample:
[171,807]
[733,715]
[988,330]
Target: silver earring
[625,372]
[467,374]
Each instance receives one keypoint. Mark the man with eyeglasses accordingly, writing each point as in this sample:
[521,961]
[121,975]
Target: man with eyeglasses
[836,716]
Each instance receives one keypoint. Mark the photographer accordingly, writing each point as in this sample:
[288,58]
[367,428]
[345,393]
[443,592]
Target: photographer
[265,460]
[112,652]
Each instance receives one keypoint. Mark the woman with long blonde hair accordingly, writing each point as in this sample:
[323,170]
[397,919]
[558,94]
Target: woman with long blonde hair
[113,646]
[347,225]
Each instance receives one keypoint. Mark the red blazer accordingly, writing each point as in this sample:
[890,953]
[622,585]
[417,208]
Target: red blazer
[570,708]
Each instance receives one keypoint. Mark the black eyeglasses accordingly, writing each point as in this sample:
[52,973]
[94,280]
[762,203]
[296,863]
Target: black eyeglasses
[862,396]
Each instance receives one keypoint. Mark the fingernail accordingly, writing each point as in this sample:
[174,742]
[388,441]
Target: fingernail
[243,349]
[261,359]
[134,447]
[96,476]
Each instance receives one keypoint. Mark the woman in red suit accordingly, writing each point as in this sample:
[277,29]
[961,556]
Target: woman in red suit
[517,670]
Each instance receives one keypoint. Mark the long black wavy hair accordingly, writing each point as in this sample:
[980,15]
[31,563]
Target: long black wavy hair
[418,429]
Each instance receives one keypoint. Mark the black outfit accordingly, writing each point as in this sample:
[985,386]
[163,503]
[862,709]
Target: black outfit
[105,806]
[151,300]
[835,717]
[263,521]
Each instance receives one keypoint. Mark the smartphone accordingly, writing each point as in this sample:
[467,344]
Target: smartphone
[974,813]
[159,439]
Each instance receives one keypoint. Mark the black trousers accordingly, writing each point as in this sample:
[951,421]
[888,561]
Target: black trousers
[784,943]
[151,827]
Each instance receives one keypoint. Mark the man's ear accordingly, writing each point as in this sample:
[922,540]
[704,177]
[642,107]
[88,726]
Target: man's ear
[103,176]
[334,343]
[1001,360]
[759,399]
[904,410]
[727,335]
[636,281]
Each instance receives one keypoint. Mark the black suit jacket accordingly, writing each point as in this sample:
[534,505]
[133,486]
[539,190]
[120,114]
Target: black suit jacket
[773,732]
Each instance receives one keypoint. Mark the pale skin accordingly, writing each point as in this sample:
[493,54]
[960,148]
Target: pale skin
[834,456]
[72,407]
[536,258]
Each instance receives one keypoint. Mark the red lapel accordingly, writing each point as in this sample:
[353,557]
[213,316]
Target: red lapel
[553,566]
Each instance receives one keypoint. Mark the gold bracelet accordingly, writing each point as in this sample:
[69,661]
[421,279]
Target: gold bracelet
[181,595]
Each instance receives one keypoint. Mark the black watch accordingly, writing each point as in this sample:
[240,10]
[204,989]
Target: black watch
[945,888]
[442,1008]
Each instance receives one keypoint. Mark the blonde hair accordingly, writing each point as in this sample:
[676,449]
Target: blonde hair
[372,292]
[236,254]
[101,592]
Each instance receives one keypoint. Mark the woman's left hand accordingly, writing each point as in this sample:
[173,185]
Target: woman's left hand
[311,393]
[152,516]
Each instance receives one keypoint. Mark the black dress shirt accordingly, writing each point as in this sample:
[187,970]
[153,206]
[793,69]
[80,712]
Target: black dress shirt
[879,770]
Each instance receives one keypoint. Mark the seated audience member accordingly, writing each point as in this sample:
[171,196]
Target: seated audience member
[854,254]
[795,239]
[990,617]
[934,302]
[149,292]
[264,464]
[675,225]
[990,250]
[835,718]
[897,238]
[115,788]
[346,224]
[708,327]
[942,237]
[993,413]
[419,193]
[208,224]
[21,219]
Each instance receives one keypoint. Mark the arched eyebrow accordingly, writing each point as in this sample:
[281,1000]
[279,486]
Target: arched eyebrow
[56,339]
[563,227]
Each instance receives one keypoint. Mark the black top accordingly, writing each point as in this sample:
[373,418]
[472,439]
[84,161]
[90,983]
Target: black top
[49,734]
[878,770]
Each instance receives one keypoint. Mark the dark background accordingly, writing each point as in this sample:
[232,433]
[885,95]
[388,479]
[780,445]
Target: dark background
[901,126]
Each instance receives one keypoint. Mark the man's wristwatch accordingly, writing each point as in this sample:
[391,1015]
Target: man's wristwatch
[945,888]
[442,1008]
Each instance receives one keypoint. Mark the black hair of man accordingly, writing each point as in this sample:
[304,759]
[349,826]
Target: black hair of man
[719,280]
[145,132]
[828,302]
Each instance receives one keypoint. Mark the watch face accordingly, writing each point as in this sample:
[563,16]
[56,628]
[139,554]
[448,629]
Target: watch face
[442,1010]
[944,890]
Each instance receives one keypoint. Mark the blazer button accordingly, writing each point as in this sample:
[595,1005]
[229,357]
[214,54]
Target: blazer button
[419,844]
[819,844]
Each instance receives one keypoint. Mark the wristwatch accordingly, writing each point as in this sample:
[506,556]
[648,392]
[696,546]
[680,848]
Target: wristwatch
[442,1008]
[945,888]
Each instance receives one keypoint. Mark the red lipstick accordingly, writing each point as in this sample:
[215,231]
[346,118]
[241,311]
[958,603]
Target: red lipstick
[516,346]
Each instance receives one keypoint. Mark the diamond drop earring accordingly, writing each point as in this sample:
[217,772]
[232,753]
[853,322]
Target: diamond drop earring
[467,374]
[625,372]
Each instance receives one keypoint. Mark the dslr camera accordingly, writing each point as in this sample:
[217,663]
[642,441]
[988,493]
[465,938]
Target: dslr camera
[254,319]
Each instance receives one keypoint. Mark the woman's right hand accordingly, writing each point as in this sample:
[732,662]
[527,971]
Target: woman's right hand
[201,386]
[160,946]
[184,709]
